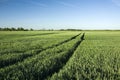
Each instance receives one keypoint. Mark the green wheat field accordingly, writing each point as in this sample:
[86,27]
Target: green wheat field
[59,55]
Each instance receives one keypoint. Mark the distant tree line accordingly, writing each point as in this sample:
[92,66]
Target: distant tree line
[15,29]
[70,30]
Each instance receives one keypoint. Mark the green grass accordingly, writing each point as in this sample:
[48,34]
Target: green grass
[59,55]
[97,58]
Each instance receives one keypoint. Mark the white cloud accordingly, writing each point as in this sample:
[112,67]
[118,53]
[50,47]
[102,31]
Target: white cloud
[35,3]
[38,4]
[66,4]
[116,2]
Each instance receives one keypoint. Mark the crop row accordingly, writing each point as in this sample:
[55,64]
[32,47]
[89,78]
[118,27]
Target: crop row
[93,60]
[22,44]
[21,34]
[43,64]
[11,58]
[18,44]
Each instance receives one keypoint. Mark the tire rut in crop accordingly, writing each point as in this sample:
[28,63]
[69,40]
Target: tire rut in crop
[62,62]
[42,34]
[23,57]
[15,51]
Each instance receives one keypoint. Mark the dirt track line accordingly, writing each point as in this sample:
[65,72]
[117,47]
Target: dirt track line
[64,60]
[25,56]
[27,37]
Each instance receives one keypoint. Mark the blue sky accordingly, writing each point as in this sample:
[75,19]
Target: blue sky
[60,14]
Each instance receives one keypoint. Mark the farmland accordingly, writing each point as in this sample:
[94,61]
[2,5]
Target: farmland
[59,55]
